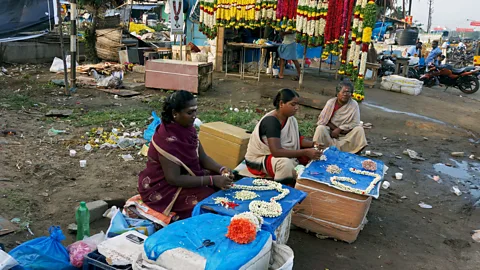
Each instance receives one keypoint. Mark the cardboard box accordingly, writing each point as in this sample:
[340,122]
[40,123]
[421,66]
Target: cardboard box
[225,143]
[331,212]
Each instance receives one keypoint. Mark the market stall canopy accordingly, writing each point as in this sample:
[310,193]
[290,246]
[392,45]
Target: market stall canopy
[25,15]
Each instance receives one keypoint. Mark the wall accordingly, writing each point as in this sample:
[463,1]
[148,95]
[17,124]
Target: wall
[32,52]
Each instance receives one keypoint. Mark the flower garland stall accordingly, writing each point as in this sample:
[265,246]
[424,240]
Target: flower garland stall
[333,28]
[369,11]
[286,14]
[207,19]
[348,21]
[311,22]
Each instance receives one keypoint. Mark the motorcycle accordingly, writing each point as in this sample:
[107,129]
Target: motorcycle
[387,65]
[465,79]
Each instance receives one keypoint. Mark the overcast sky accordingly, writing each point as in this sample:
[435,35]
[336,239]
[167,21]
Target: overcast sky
[447,13]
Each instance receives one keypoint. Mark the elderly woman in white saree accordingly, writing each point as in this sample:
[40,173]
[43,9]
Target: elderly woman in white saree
[276,145]
[339,123]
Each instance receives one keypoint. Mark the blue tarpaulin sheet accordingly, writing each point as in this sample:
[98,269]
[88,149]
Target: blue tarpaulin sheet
[317,170]
[190,234]
[270,224]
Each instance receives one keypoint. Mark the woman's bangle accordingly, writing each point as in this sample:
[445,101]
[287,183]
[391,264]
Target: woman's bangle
[221,170]
[211,181]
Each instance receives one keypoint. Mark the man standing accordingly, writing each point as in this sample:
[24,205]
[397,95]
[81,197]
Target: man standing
[415,50]
[432,56]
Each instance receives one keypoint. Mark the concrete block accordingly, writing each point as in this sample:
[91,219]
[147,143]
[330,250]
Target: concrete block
[96,209]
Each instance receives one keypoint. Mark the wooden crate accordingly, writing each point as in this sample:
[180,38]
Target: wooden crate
[178,75]
[225,143]
[332,205]
[326,228]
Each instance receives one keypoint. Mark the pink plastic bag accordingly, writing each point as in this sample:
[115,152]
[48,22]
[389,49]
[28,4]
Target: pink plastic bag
[77,251]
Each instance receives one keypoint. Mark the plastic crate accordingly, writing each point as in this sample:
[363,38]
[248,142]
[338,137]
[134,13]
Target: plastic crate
[96,261]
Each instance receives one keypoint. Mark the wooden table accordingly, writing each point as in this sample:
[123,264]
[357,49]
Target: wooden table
[374,68]
[261,49]
[404,62]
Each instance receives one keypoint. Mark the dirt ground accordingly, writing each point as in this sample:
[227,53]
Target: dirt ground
[45,184]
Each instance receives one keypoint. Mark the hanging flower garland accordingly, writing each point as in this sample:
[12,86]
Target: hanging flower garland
[208,10]
[369,15]
[346,42]
[311,22]
[333,28]
[286,15]
[353,44]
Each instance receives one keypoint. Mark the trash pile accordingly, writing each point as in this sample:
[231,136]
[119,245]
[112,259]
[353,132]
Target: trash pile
[99,138]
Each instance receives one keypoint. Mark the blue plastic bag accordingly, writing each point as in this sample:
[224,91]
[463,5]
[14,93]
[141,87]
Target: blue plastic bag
[43,253]
[148,133]
[121,224]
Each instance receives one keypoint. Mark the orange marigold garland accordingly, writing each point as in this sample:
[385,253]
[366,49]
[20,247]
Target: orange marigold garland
[241,231]
[243,227]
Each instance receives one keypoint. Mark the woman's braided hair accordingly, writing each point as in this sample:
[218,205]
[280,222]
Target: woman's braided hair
[176,101]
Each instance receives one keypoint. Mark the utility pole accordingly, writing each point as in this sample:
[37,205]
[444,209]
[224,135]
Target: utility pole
[430,13]
[73,42]
[62,47]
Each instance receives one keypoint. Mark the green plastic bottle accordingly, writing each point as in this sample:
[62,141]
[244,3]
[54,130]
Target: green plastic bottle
[83,221]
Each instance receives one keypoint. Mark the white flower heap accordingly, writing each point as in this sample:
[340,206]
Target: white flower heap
[263,208]
[257,220]
[221,200]
[245,195]
[336,181]
[333,169]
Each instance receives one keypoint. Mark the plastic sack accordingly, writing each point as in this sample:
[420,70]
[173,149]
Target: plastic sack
[282,257]
[57,64]
[43,252]
[148,133]
[79,249]
[6,261]
[121,224]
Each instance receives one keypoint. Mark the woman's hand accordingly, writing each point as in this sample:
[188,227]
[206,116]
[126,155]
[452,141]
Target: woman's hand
[222,182]
[313,154]
[227,172]
[336,133]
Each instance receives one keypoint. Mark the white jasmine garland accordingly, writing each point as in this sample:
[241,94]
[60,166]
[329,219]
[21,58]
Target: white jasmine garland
[255,219]
[335,180]
[363,64]
[221,200]
[245,195]
[333,169]
[265,209]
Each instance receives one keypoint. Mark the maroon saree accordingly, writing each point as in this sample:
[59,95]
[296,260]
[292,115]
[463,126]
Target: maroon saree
[181,143]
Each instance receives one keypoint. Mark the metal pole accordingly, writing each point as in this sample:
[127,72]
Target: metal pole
[300,81]
[73,42]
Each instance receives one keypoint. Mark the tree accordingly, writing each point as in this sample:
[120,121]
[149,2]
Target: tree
[95,8]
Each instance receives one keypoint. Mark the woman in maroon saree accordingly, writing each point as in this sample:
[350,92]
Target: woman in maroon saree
[178,169]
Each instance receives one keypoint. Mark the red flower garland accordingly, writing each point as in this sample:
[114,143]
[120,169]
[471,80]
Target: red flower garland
[241,231]
[347,31]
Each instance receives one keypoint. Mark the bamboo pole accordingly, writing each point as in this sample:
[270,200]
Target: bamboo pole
[62,47]
[300,81]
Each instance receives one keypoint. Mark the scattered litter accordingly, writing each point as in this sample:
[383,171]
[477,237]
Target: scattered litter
[44,194]
[88,147]
[398,157]
[4,71]
[59,113]
[373,154]
[112,81]
[83,163]
[236,110]
[367,125]
[384,138]
[2,179]
[58,82]
[476,236]
[425,138]
[72,228]
[403,197]
[398,176]
[73,153]
[458,154]
[455,190]
[435,178]
[471,157]
[425,206]
[132,124]
[385,184]
[413,155]
[53,132]
[127,157]
[16,220]
[8,132]
[400,168]
[416,193]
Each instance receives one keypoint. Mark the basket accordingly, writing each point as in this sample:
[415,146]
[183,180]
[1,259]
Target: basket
[96,261]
